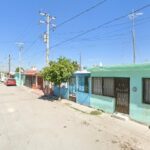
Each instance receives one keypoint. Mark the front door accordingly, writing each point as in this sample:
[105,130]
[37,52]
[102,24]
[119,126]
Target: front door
[122,95]
[72,89]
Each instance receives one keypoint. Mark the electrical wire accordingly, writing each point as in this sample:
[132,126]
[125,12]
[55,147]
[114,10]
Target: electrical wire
[99,26]
[81,13]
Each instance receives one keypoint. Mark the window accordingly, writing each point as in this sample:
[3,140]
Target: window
[146,91]
[83,84]
[108,86]
[86,85]
[103,86]
[97,86]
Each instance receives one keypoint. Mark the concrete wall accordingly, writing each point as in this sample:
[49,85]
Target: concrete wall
[137,109]
[64,92]
[19,83]
[104,103]
[82,97]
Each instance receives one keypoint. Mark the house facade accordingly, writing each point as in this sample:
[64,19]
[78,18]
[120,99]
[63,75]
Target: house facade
[20,79]
[33,79]
[123,89]
[115,89]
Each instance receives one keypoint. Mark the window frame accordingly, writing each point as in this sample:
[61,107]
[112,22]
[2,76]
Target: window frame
[113,86]
[93,86]
[85,80]
[102,94]
[143,92]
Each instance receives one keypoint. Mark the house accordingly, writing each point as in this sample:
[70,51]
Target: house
[20,79]
[3,76]
[114,89]
[33,79]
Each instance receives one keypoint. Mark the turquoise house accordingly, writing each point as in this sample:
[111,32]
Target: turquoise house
[124,89]
[114,89]
[18,81]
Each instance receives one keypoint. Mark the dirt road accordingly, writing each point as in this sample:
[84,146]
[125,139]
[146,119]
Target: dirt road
[30,123]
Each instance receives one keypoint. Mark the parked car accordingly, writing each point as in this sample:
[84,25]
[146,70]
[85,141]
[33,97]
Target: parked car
[10,82]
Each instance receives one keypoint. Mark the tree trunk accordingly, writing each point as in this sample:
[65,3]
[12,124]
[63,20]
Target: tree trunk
[59,92]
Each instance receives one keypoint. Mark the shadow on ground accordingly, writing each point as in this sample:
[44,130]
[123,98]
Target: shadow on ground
[48,98]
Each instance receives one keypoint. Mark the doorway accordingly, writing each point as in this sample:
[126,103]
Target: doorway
[122,91]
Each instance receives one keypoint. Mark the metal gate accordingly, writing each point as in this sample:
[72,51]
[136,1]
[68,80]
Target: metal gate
[122,95]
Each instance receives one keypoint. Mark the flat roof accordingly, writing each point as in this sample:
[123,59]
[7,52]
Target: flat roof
[128,67]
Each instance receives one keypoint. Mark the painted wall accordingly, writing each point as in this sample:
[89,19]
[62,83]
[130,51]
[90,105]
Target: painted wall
[82,97]
[104,103]
[64,92]
[137,109]
[19,83]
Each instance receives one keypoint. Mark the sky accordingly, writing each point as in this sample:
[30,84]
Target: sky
[108,45]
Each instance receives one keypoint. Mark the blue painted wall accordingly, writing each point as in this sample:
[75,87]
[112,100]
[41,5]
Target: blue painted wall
[82,97]
[64,92]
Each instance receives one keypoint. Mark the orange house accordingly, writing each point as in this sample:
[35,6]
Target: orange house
[33,79]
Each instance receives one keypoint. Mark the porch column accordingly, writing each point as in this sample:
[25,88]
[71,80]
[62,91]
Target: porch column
[36,81]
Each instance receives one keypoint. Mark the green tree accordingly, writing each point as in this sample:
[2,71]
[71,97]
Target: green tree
[17,69]
[75,65]
[58,71]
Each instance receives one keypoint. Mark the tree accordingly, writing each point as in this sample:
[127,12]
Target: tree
[17,69]
[58,71]
[75,65]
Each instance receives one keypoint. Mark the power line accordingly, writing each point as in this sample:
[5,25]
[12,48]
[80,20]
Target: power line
[99,26]
[110,36]
[81,13]
[32,44]
[90,30]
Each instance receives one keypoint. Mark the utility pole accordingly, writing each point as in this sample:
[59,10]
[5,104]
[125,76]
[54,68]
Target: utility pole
[132,16]
[48,21]
[9,64]
[20,46]
[80,62]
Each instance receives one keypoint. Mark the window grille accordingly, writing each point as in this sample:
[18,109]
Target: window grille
[103,86]
[108,86]
[97,86]
[146,91]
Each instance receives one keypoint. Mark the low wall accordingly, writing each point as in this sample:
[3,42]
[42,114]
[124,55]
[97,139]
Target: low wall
[107,104]
[64,92]
[83,98]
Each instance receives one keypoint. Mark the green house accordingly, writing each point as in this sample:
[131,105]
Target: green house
[123,89]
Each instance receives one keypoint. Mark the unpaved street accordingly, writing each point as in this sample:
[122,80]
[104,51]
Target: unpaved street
[30,123]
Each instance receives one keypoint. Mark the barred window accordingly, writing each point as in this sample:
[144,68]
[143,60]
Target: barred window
[108,86]
[86,85]
[103,86]
[83,84]
[97,86]
[146,91]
